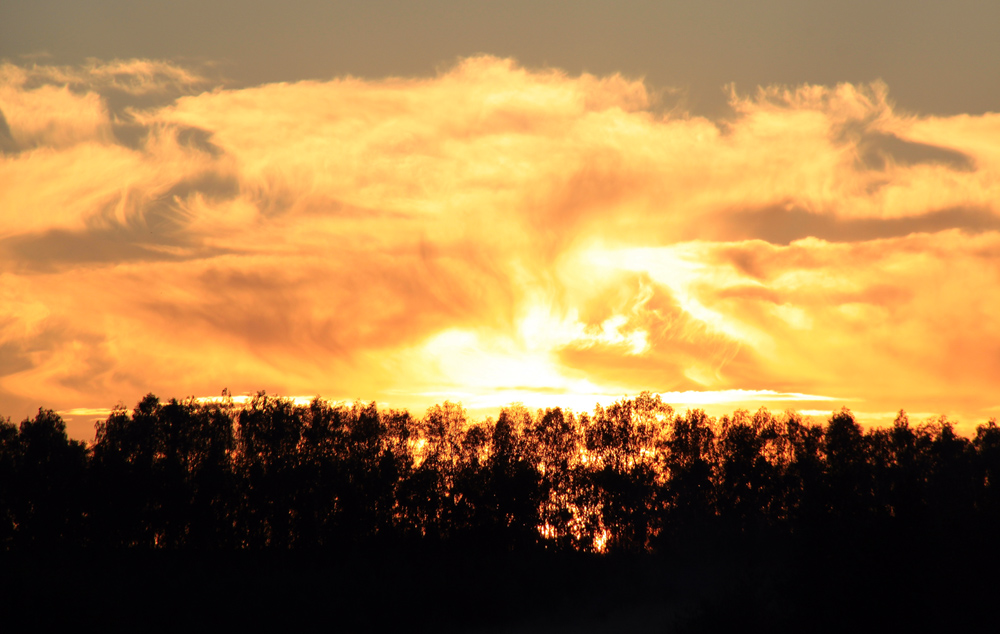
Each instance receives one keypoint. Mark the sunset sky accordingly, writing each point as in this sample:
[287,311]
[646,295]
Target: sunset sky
[558,203]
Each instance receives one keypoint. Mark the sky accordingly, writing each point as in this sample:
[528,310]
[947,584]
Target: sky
[735,205]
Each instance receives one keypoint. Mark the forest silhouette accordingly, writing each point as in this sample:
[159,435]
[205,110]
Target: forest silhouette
[750,521]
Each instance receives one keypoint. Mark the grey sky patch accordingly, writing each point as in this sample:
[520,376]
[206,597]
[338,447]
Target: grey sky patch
[198,139]
[160,220]
[779,225]
[59,249]
[936,57]
[746,261]
[120,103]
[213,186]
[16,354]
[130,134]
[878,150]
[156,231]
[134,135]
[13,358]
[7,143]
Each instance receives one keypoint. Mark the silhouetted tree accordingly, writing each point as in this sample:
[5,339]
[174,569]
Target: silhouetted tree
[906,471]
[624,440]
[471,487]
[267,460]
[951,489]
[200,445]
[632,477]
[750,462]
[690,494]
[513,513]
[553,444]
[805,501]
[373,470]
[849,483]
[9,449]
[427,499]
[50,482]
[987,472]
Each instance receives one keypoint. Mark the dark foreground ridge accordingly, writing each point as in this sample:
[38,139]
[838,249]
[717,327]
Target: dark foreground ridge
[632,518]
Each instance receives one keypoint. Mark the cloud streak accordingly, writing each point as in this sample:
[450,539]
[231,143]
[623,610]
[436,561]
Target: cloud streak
[493,232]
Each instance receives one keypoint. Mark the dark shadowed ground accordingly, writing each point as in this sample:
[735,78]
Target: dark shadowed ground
[850,585]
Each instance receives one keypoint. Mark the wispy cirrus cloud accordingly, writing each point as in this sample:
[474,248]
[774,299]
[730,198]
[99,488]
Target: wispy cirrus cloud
[493,232]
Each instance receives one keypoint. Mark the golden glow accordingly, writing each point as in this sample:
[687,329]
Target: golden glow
[492,234]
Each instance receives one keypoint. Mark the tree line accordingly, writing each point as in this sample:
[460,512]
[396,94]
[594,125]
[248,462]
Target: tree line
[633,477]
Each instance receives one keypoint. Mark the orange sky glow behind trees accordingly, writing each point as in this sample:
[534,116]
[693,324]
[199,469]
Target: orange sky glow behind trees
[491,234]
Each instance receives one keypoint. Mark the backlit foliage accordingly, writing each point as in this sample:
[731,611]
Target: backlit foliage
[629,477]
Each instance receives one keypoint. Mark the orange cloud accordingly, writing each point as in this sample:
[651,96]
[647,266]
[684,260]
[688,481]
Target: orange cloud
[493,233]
